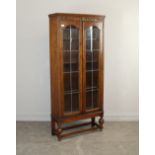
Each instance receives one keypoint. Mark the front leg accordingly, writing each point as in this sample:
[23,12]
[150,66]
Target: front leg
[93,121]
[59,130]
[101,122]
[53,127]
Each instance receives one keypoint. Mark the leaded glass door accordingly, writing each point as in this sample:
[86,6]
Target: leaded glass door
[72,67]
[92,55]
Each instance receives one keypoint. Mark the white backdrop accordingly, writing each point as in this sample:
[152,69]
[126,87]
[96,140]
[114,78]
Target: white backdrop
[121,55]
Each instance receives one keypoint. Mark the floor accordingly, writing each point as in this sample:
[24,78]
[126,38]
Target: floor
[117,138]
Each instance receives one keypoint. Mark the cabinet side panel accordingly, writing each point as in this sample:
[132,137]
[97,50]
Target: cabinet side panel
[101,66]
[53,67]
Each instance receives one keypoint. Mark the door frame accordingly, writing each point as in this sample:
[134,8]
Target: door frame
[62,24]
[85,25]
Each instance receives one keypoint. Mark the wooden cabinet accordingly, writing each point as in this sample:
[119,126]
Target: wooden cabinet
[76,60]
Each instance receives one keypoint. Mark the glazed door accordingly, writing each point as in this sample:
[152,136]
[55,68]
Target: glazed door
[70,40]
[92,66]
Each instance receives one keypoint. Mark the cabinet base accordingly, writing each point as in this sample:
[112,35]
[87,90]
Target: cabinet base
[58,130]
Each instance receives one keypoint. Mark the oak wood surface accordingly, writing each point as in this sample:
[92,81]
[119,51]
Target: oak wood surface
[58,117]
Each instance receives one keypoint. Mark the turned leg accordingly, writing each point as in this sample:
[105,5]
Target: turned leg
[101,122]
[93,121]
[53,127]
[59,130]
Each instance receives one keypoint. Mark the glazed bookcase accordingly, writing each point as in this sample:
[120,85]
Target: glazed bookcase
[77,71]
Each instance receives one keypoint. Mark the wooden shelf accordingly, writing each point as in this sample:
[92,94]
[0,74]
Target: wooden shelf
[70,50]
[71,92]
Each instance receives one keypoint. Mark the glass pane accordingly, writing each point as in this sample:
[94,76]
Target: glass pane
[75,81]
[95,99]
[89,80]
[71,68]
[91,99]
[92,80]
[66,38]
[67,84]
[92,67]
[74,38]
[95,79]
[75,60]
[66,57]
[75,98]
[67,101]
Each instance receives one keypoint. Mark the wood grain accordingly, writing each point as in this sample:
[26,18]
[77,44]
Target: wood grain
[58,117]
